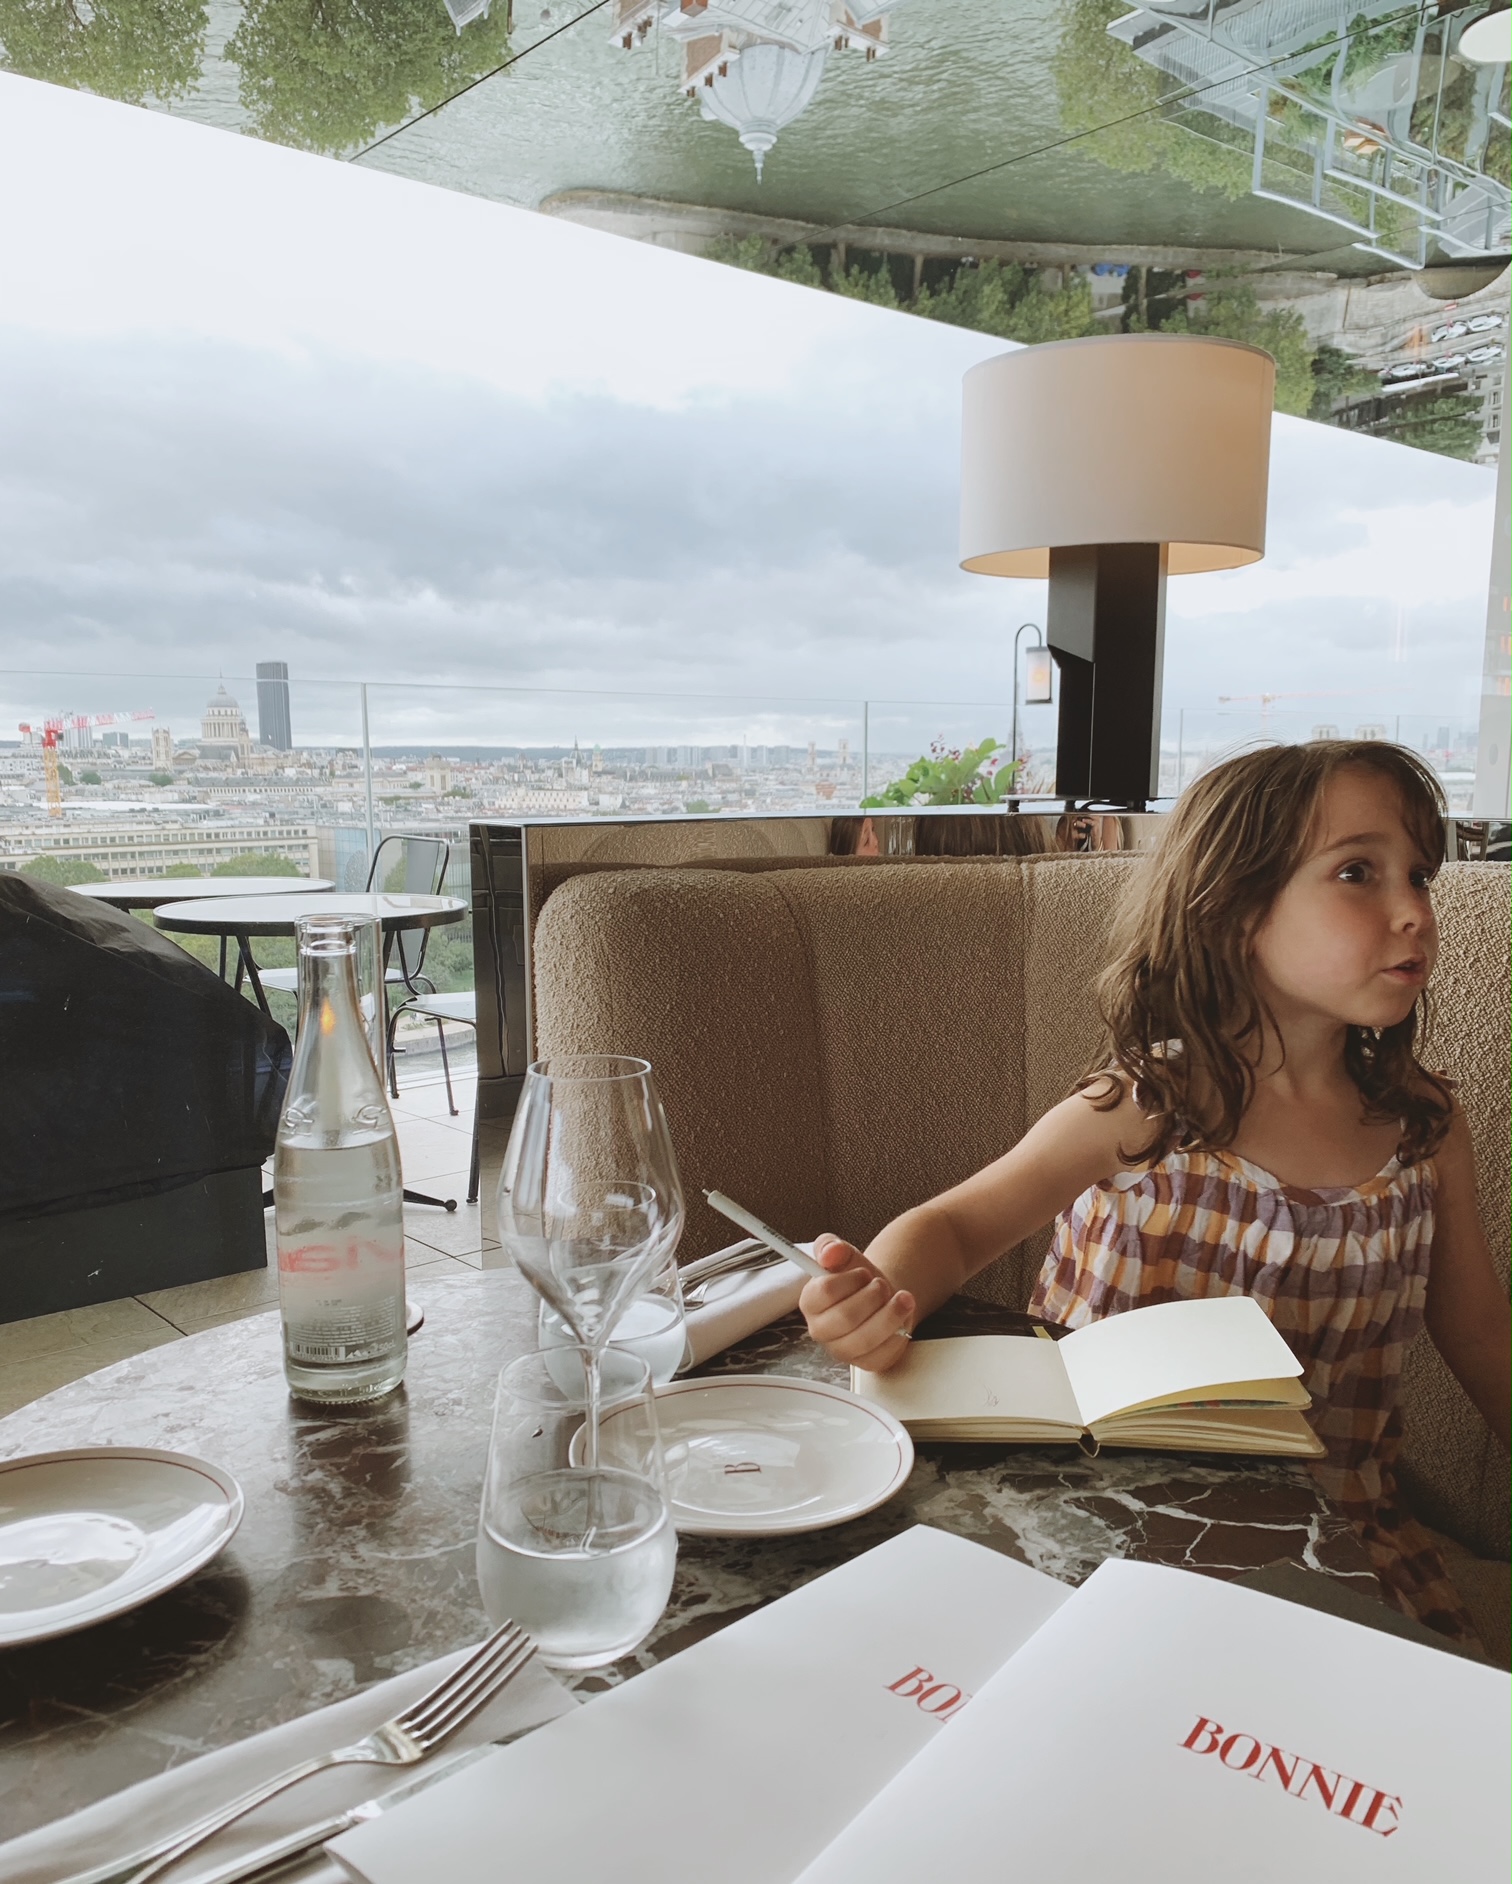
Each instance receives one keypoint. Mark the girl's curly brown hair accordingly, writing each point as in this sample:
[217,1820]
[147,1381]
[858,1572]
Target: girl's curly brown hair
[1180,969]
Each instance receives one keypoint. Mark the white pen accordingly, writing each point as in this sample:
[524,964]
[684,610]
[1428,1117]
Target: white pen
[764,1233]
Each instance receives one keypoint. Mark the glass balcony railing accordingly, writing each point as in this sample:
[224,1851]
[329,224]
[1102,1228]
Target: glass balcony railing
[168,776]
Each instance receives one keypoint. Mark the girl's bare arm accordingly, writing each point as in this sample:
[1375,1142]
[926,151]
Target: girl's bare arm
[1467,1307]
[923,1257]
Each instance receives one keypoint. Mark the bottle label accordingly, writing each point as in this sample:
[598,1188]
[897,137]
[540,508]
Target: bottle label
[343,1301]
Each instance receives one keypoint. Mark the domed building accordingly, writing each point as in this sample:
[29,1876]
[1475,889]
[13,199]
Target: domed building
[224,738]
[755,65]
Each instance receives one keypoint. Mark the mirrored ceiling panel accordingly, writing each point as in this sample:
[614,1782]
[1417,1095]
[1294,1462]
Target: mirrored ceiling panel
[1327,178]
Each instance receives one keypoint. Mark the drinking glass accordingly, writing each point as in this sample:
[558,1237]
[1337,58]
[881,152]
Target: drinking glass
[652,1325]
[590,1203]
[581,1556]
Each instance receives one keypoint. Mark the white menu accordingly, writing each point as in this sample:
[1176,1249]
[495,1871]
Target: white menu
[1163,1726]
[744,1756]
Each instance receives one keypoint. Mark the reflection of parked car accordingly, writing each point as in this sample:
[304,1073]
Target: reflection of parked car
[1448,362]
[1482,323]
[1409,369]
[1453,331]
[1478,356]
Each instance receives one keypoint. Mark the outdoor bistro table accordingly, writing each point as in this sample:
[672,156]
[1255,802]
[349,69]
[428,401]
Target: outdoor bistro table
[246,916]
[152,892]
[355,1559]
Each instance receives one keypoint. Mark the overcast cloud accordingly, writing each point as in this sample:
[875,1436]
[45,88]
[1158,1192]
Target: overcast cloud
[260,405]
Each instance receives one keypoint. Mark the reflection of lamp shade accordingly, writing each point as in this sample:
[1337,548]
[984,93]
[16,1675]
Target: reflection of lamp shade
[1124,438]
[1488,41]
[1037,669]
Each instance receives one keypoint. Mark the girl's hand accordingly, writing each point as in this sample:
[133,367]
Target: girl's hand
[855,1311]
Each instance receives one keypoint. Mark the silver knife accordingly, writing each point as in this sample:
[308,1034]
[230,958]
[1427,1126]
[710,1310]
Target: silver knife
[281,1852]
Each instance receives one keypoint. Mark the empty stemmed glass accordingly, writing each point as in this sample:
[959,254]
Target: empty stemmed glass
[590,1203]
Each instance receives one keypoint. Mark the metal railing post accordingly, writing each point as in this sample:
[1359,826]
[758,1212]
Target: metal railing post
[367,775]
[866,749]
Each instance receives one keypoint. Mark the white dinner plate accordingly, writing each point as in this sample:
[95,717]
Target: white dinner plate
[90,1534]
[757,1455]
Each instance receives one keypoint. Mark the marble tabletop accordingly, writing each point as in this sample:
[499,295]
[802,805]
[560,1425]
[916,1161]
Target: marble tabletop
[355,1557]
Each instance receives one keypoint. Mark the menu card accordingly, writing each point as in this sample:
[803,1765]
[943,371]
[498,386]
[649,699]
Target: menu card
[1166,1726]
[744,1756]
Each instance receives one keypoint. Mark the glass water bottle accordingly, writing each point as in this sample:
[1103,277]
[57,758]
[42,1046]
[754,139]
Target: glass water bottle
[337,1190]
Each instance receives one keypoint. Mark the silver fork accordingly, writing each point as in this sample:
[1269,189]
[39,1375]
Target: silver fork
[402,1741]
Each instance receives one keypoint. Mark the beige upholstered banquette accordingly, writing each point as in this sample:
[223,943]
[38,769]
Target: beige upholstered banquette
[836,1044]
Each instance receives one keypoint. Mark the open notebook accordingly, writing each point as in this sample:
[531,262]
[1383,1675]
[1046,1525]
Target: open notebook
[933,1709]
[1205,1376]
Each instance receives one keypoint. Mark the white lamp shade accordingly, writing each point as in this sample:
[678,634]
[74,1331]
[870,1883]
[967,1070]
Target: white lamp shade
[1123,438]
[1488,41]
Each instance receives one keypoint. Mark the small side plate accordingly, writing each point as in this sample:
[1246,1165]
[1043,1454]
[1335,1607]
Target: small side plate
[760,1455]
[89,1534]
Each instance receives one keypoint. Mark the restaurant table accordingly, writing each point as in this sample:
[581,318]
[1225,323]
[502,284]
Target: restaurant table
[152,892]
[355,1559]
[246,916]
[243,917]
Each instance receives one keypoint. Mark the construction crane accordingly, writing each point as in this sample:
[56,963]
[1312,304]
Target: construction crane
[51,728]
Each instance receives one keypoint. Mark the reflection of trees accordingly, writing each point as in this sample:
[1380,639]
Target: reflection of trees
[327,74]
[1232,311]
[1448,423]
[1337,375]
[1100,79]
[131,50]
[992,297]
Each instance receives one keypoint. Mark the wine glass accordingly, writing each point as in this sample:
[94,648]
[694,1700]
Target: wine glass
[590,1203]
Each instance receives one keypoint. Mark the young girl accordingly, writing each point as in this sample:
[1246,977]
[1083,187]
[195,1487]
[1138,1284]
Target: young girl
[1258,1124]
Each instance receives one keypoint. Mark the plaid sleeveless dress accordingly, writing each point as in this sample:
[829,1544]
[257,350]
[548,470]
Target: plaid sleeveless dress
[1342,1274]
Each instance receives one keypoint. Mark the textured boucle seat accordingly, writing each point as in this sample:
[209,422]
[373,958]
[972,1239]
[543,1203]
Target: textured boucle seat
[835,1045]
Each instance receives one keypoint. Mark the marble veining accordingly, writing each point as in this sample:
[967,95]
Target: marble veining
[355,1558]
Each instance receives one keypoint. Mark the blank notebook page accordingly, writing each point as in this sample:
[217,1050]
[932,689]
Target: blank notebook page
[1171,1348]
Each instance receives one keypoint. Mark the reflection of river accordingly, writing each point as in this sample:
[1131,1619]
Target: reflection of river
[965,84]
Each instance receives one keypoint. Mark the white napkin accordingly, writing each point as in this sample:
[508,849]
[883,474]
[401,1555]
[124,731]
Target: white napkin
[115,1827]
[737,1305]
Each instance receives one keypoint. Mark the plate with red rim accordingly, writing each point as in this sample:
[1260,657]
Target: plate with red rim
[763,1455]
[89,1534]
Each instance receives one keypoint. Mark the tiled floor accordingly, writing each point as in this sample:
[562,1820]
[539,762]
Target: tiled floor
[38,1355]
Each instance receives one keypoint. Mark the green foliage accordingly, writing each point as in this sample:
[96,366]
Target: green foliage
[325,75]
[1442,120]
[1337,375]
[182,870]
[65,774]
[62,870]
[991,297]
[448,959]
[865,284]
[948,776]
[1448,423]
[1003,298]
[90,777]
[1372,44]
[1233,312]
[1100,80]
[458,791]
[798,266]
[698,804]
[257,863]
[131,50]
[159,778]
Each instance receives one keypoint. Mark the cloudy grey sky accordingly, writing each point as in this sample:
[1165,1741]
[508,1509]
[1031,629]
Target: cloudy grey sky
[262,405]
